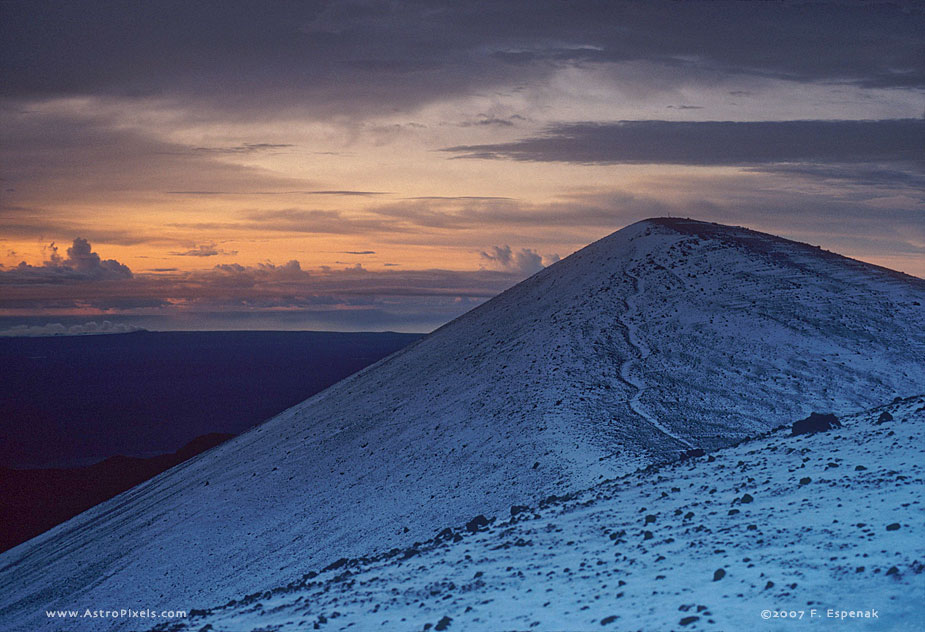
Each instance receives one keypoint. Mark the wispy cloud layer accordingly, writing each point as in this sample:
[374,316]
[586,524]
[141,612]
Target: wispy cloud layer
[204,250]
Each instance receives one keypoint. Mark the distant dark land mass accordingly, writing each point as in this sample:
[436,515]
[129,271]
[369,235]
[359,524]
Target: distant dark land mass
[33,501]
[81,416]
[74,400]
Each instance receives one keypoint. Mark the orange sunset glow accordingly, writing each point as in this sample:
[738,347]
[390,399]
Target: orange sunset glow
[414,164]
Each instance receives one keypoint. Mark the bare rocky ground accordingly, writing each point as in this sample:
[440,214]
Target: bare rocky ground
[812,525]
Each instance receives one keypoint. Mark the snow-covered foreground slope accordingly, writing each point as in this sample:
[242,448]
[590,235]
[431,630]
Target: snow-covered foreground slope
[665,335]
[813,525]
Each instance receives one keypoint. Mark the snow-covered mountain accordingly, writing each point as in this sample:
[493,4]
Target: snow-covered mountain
[665,336]
[817,525]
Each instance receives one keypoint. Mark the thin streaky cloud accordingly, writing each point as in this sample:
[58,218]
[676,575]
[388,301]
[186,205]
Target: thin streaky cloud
[347,193]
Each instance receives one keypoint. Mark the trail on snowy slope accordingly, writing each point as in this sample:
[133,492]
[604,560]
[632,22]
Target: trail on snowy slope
[642,351]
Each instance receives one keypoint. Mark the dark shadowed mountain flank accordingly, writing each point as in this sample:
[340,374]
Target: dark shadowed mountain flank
[654,342]
[33,501]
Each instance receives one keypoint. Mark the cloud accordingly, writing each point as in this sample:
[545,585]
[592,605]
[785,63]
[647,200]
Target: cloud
[298,220]
[75,156]
[236,275]
[265,288]
[344,57]
[346,193]
[57,329]
[868,175]
[711,143]
[491,120]
[524,261]
[204,250]
[81,264]
[358,252]
[245,148]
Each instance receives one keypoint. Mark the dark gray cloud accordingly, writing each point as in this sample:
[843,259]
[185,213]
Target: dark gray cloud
[349,55]
[869,175]
[490,120]
[715,143]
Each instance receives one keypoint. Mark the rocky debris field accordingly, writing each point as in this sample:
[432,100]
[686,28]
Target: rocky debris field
[815,526]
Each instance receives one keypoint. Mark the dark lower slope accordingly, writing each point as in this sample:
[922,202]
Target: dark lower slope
[33,501]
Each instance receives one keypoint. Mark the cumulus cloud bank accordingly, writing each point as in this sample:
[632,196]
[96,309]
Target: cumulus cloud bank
[57,329]
[524,261]
[81,264]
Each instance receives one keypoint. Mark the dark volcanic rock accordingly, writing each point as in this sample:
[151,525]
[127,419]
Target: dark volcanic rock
[477,523]
[816,422]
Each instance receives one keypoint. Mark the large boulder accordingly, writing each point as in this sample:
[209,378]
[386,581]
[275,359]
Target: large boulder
[816,422]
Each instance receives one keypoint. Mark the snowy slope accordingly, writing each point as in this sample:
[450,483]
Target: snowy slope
[665,335]
[807,524]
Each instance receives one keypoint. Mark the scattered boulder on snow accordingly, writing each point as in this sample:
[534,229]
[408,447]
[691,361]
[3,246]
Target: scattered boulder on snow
[719,574]
[477,523]
[883,418]
[816,422]
[692,454]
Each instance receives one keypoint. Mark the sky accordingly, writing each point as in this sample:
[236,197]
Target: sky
[368,165]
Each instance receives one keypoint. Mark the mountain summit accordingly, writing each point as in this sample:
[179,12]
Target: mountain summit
[667,335]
